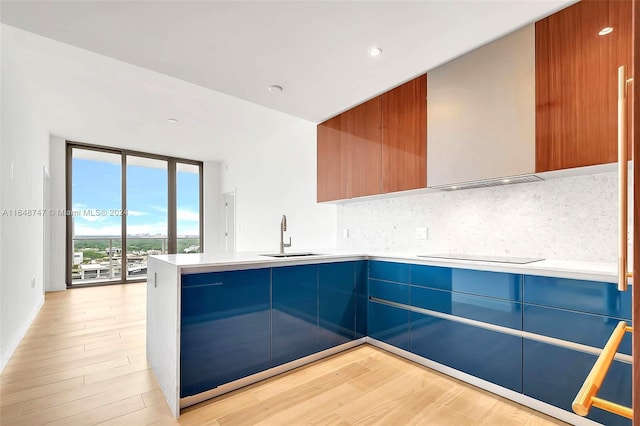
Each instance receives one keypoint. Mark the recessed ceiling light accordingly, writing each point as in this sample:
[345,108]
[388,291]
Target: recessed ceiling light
[172,120]
[605,31]
[274,88]
[454,187]
[506,180]
[375,51]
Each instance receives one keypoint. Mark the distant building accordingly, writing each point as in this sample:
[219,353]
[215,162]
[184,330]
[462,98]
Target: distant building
[78,257]
[192,249]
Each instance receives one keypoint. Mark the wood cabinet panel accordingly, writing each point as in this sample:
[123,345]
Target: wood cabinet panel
[332,159]
[377,147]
[365,148]
[404,136]
[576,83]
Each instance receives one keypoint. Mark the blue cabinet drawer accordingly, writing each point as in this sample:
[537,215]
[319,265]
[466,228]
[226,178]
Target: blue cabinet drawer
[389,324]
[389,271]
[555,375]
[482,283]
[336,303]
[486,354]
[294,313]
[485,309]
[587,329]
[225,325]
[392,292]
[578,295]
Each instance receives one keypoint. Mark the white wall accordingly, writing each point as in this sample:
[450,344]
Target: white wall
[24,153]
[562,219]
[279,177]
[211,200]
[50,88]
[57,258]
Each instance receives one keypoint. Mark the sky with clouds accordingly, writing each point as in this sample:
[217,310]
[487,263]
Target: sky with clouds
[96,199]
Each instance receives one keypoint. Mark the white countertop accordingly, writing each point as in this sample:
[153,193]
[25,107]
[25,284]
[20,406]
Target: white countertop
[198,263]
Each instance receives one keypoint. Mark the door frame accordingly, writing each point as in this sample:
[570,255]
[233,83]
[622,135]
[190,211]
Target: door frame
[171,208]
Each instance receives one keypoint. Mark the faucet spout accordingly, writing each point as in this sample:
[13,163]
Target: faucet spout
[283,227]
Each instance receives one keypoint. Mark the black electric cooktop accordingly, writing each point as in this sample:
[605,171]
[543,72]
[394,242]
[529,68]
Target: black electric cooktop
[482,258]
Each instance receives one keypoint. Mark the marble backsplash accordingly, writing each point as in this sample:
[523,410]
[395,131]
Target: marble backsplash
[572,218]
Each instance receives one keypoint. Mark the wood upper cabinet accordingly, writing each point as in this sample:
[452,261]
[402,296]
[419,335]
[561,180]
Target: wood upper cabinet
[404,136]
[377,147]
[576,83]
[364,124]
[332,159]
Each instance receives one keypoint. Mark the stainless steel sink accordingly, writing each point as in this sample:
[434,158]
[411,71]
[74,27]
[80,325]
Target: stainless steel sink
[290,254]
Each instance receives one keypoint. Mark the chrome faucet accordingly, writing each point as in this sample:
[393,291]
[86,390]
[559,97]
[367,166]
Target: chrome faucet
[283,227]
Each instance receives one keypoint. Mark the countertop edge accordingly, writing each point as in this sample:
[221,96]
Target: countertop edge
[590,271]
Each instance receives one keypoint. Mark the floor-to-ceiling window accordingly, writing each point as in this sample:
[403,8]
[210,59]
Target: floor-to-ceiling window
[188,216]
[124,206]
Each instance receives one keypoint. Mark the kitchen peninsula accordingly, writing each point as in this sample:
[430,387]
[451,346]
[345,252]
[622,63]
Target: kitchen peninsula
[218,322]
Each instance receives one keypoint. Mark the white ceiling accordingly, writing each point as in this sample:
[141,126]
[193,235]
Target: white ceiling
[316,50]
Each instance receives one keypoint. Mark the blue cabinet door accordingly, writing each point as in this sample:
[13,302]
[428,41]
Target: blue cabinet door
[337,303]
[577,327]
[389,324]
[593,297]
[294,313]
[386,323]
[225,325]
[555,375]
[482,283]
[489,355]
[389,271]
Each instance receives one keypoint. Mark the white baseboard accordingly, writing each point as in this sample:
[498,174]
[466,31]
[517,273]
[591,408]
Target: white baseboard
[522,399]
[17,338]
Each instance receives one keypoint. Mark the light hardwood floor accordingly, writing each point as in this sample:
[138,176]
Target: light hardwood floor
[82,362]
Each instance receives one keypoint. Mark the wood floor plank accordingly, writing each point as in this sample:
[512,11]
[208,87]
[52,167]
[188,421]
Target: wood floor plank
[144,417]
[10,412]
[142,379]
[291,397]
[367,409]
[103,413]
[314,409]
[45,391]
[102,375]
[219,407]
[77,406]
[152,398]
[20,381]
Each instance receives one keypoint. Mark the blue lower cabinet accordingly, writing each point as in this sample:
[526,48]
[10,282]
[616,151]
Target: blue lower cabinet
[485,309]
[388,324]
[336,303]
[587,329]
[294,314]
[482,283]
[390,292]
[489,355]
[362,297]
[594,297]
[555,375]
[389,271]
[224,332]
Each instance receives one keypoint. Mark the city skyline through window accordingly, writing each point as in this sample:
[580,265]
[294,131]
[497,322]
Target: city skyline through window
[100,214]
